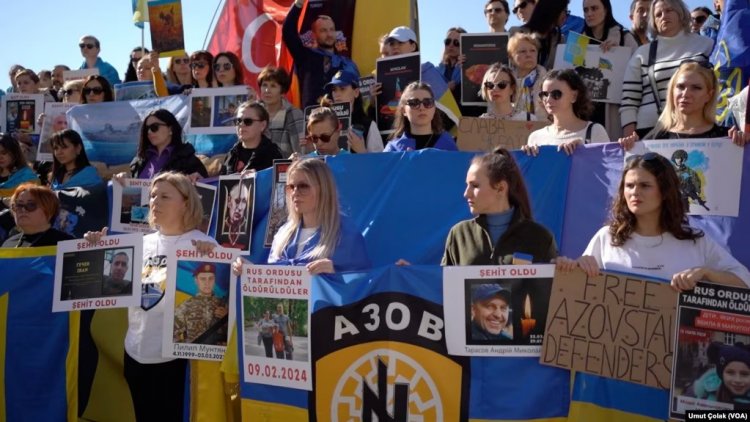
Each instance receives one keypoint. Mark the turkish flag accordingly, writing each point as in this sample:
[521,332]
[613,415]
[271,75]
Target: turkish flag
[251,29]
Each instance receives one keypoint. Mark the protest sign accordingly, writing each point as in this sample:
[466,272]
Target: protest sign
[394,73]
[236,205]
[481,51]
[130,206]
[711,348]
[613,325]
[54,120]
[137,90]
[102,275]
[278,213]
[365,83]
[21,111]
[207,193]
[198,317]
[275,326]
[710,172]
[213,110]
[496,310]
[479,134]
[602,72]
[74,75]
[165,21]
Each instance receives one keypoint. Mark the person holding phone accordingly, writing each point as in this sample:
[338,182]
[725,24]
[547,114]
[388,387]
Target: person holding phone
[364,135]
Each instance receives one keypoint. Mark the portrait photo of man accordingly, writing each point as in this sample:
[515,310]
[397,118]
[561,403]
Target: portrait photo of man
[236,215]
[490,313]
[202,319]
[116,283]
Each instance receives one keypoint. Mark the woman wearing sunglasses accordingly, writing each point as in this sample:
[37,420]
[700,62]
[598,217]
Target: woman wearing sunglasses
[417,125]
[96,89]
[323,133]
[201,68]
[503,224]
[71,91]
[649,234]
[227,69]
[161,149]
[450,65]
[34,208]
[499,90]
[253,150]
[690,109]
[523,50]
[566,99]
[178,71]
[316,234]
[157,383]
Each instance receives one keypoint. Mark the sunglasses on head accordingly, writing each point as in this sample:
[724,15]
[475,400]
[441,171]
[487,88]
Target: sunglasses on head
[97,90]
[87,45]
[301,188]
[28,206]
[448,42]
[198,65]
[244,121]
[320,138]
[702,63]
[649,156]
[500,85]
[519,6]
[555,94]
[698,19]
[181,60]
[218,66]
[416,102]
[154,127]
[493,10]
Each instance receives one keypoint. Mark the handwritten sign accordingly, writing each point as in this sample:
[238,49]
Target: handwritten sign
[613,325]
[475,134]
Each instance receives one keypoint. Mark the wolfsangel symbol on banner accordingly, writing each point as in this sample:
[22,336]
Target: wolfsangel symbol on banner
[498,310]
[711,369]
[197,316]
[99,275]
[385,355]
[275,326]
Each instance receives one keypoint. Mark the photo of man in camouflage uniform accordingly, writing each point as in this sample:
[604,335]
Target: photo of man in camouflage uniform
[202,319]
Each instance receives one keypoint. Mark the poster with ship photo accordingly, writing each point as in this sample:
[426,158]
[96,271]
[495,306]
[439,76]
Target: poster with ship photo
[481,51]
[395,73]
[601,72]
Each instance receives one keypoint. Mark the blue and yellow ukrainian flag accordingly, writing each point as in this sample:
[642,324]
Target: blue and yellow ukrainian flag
[575,48]
[140,12]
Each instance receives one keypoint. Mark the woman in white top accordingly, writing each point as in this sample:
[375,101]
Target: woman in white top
[649,233]
[499,90]
[157,384]
[566,99]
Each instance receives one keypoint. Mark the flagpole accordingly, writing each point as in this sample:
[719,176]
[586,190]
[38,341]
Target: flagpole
[143,37]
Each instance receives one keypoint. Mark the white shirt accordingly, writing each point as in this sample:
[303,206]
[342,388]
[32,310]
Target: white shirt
[544,136]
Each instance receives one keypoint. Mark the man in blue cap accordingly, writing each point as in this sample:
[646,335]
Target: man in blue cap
[313,66]
[490,313]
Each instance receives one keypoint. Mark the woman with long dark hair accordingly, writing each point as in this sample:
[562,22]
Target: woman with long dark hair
[417,124]
[502,223]
[14,168]
[96,89]
[201,66]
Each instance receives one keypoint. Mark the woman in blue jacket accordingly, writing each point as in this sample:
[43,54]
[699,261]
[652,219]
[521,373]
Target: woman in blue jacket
[417,124]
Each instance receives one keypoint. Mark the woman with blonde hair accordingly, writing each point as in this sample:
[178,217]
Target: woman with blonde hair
[523,54]
[499,90]
[178,71]
[315,235]
[417,124]
[157,384]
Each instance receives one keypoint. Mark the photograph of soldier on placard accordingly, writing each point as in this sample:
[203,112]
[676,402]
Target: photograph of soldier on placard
[202,317]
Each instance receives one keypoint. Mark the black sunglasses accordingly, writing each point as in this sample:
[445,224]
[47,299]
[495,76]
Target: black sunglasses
[424,102]
[217,66]
[555,94]
[95,90]
[198,65]
[493,10]
[520,6]
[87,45]
[698,19]
[500,85]
[245,121]
[154,127]
[322,138]
[448,42]
[28,207]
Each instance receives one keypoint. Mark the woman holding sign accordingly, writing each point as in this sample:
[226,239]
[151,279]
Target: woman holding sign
[157,384]
[503,225]
[315,235]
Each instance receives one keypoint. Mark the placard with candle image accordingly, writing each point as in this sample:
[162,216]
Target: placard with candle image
[498,311]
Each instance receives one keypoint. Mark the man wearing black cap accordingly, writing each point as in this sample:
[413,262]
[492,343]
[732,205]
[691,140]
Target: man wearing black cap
[490,313]
[202,319]
[314,66]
